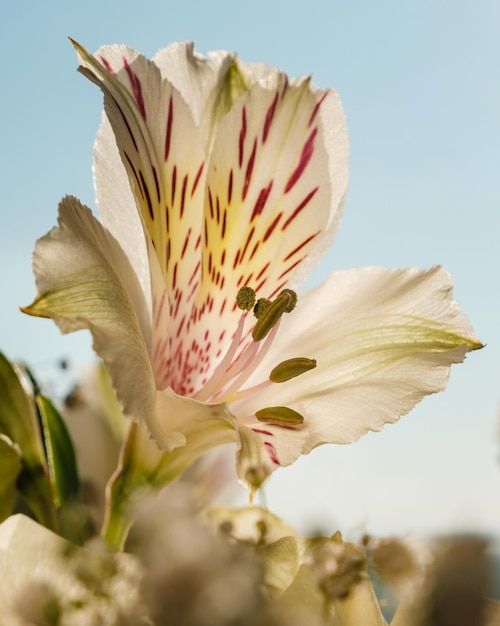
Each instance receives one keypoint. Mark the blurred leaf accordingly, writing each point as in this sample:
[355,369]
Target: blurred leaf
[60,452]
[19,422]
[18,416]
[10,466]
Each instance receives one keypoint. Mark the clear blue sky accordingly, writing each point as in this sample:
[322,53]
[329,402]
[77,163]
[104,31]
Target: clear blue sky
[420,84]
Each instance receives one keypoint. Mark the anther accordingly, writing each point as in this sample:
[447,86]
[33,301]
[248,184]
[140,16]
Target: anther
[245,298]
[279,415]
[284,302]
[291,368]
[293,299]
[260,306]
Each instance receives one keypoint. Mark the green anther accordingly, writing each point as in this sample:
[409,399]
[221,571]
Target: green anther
[245,298]
[270,316]
[291,368]
[280,415]
[293,299]
[260,306]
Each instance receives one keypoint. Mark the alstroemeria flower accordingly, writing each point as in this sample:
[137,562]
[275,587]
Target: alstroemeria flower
[213,175]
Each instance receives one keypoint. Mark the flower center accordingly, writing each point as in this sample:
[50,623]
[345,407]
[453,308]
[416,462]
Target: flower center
[228,380]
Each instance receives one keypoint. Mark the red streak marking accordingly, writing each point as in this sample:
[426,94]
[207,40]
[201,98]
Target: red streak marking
[147,196]
[304,203]
[168,251]
[210,203]
[248,174]
[224,218]
[179,328]
[236,258]
[305,157]
[125,121]
[136,88]
[197,179]
[183,194]
[223,257]
[210,263]
[195,273]
[261,201]
[255,248]
[273,225]
[240,280]
[133,169]
[198,241]
[263,432]
[299,247]
[223,306]
[230,187]
[206,335]
[174,184]
[107,65]
[222,282]
[262,271]
[221,336]
[316,109]
[269,118]
[271,450]
[206,233]
[186,241]
[174,275]
[168,136]
[167,218]
[250,235]
[177,307]
[243,134]
[291,268]
[217,206]
[156,182]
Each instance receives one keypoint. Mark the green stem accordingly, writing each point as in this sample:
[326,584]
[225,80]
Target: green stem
[142,467]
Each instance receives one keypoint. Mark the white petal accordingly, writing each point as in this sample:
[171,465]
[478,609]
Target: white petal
[383,339]
[195,76]
[184,421]
[84,280]
[116,204]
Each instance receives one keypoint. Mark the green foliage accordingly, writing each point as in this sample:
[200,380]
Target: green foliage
[10,466]
[60,452]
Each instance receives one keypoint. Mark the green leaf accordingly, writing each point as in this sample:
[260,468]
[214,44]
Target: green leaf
[10,466]
[19,423]
[18,418]
[60,452]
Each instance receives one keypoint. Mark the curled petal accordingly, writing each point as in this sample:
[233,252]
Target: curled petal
[161,151]
[84,280]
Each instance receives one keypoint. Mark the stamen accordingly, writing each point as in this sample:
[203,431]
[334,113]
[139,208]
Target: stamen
[291,368]
[260,306]
[284,302]
[245,298]
[280,415]
[293,299]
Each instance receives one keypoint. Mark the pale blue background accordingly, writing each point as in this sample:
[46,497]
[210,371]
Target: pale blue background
[421,88]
